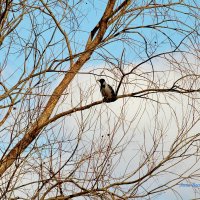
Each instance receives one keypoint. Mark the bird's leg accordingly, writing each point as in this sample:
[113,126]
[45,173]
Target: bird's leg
[109,100]
[105,99]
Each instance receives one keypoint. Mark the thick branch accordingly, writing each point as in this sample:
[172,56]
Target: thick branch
[51,104]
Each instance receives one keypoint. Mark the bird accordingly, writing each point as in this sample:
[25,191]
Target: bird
[107,91]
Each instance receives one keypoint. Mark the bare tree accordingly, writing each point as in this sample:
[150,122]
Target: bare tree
[59,139]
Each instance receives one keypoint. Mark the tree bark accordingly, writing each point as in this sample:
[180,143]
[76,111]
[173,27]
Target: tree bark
[33,132]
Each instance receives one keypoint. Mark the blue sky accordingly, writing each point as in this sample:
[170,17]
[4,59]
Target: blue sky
[87,17]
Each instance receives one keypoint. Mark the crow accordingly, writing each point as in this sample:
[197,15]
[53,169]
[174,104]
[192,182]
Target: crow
[107,91]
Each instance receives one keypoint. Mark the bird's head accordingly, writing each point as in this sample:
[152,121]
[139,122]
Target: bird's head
[102,81]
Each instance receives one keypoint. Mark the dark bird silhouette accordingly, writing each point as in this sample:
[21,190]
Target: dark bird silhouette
[107,91]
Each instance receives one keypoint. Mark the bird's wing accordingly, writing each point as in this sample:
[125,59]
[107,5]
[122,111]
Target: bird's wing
[112,91]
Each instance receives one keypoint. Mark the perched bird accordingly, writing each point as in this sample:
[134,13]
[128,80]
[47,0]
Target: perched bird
[107,91]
